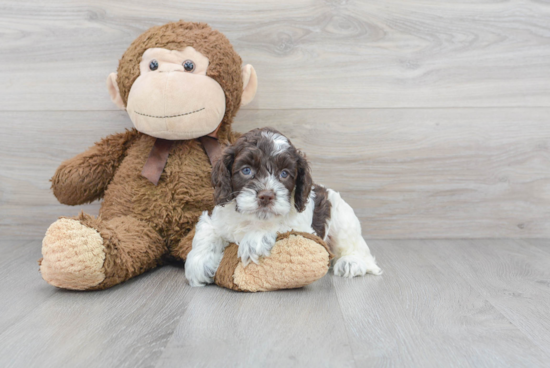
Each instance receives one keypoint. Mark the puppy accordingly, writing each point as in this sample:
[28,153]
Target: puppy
[263,186]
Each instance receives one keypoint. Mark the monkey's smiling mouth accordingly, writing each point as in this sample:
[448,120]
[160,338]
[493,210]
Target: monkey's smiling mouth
[168,116]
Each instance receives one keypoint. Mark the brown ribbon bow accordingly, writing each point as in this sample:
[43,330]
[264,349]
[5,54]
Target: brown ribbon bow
[154,166]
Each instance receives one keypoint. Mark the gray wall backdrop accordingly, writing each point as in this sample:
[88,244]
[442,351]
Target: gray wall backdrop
[431,117]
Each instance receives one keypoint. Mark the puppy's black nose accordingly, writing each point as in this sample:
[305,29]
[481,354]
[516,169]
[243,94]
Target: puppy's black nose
[265,197]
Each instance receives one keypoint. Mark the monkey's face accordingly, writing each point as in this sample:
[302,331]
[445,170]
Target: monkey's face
[173,98]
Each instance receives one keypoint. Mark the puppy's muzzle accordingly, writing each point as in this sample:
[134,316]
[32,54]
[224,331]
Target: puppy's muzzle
[266,198]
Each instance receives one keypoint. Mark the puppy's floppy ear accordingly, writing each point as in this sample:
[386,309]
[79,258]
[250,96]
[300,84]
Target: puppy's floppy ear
[221,177]
[304,183]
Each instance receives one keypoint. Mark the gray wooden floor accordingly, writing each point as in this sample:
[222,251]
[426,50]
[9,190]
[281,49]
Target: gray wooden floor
[440,303]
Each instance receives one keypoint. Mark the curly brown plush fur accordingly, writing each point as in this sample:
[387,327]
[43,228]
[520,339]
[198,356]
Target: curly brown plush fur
[139,222]
[84,178]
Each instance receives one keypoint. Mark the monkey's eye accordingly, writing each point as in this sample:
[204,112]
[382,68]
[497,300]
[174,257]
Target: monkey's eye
[284,174]
[154,65]
[188,65]
[246,171]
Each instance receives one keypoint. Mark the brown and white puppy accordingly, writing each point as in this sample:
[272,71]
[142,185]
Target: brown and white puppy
[263,186]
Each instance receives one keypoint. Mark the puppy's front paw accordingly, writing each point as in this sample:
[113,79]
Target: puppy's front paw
[201,268]
[252,247]
[354,265]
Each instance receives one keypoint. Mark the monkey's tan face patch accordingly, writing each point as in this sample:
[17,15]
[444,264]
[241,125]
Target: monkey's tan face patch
[173,98]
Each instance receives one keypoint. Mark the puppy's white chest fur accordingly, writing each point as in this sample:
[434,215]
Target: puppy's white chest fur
[235,227]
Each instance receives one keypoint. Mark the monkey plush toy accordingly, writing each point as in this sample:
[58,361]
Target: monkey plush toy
[181,84]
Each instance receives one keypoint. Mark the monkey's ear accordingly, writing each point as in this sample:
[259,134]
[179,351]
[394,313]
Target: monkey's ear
[112,87]
[250,84]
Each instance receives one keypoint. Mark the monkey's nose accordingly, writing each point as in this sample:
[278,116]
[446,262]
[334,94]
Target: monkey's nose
[265,197]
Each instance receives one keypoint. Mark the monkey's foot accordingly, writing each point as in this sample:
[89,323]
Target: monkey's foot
[296,260]
[73,255]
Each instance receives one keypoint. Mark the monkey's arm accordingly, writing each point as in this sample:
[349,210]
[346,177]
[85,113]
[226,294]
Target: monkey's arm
[84,178]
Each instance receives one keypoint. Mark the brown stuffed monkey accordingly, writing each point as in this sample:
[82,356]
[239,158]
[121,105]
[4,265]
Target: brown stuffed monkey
[181,84]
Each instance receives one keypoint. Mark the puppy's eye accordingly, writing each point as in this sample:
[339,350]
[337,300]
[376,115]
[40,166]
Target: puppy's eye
[246,171]
[284,174]
[188,65]
[154,65]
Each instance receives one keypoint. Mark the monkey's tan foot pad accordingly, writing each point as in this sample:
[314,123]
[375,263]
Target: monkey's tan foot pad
[296,260]
[73,255]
